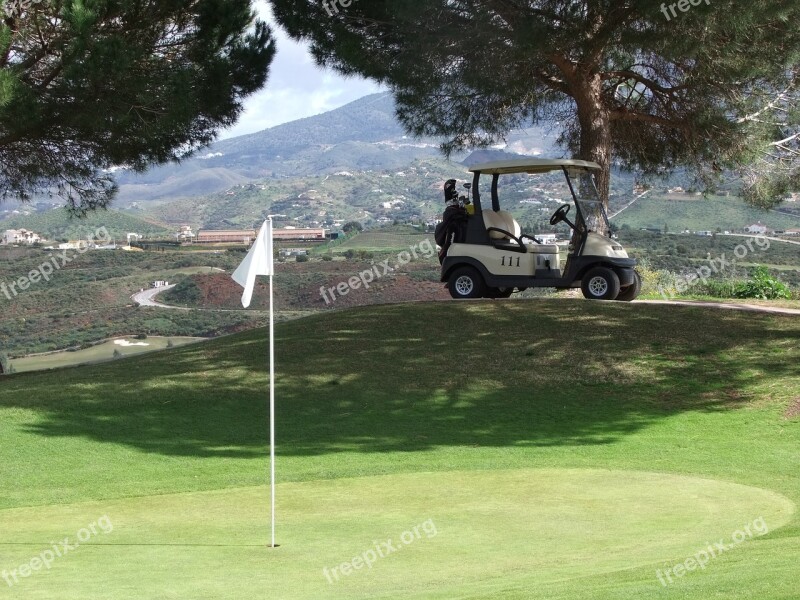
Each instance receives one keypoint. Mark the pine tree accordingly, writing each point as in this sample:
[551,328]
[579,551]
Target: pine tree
[87,85]
[645,84]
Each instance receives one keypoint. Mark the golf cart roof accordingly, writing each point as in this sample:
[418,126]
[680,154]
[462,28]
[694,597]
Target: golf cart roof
[531,165]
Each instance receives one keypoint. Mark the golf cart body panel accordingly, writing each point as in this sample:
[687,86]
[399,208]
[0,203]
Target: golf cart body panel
[597,245]
[495,249]
[510,262]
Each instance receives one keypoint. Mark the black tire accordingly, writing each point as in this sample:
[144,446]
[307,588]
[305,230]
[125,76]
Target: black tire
[466,282]
[600,283]
[630,292]
[494,292]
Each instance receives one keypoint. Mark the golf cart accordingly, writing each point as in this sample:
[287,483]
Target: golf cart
[492,258]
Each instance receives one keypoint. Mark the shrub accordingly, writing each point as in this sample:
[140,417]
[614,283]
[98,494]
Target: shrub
[655,282]
[327,257]
[301,258]
[763,286]
[719,288]
[185,292]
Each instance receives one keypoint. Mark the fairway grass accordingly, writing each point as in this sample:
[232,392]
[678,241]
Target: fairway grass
[562,449]
[481,529]
[99,353]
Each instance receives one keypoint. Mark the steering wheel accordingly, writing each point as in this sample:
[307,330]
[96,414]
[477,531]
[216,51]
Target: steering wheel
[560,214]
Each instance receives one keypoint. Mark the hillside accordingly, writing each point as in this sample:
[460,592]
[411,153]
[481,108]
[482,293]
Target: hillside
[88,299]
[314,200]
[696,213]
[57,224]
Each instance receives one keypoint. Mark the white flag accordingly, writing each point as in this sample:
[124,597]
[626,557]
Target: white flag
[257,262]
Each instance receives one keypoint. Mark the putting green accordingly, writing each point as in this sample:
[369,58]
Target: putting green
[477,533]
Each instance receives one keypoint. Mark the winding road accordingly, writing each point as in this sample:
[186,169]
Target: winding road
[147,298]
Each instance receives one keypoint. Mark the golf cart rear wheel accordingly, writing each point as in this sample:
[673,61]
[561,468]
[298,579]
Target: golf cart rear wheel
[630,292]
[494,292]
[600,283]
[466,282]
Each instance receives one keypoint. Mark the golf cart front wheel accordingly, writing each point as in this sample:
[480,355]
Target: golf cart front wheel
[466,282]
[629,293]
[600,283]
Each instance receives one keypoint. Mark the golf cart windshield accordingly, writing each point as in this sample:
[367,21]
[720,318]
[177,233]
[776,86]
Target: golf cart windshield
[587,199]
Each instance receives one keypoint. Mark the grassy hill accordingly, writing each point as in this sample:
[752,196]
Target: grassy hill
[700,214]
[57,224]
[384,241]
[529,463]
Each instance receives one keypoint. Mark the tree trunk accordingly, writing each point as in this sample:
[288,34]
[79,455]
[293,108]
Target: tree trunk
[595,138]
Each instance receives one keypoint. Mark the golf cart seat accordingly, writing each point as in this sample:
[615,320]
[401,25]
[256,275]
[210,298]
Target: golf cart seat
[505,221]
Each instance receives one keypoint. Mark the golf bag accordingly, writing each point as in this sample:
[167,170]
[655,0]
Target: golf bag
[453,228]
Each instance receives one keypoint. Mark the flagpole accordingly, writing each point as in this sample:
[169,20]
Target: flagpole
[271,392]
[259,261]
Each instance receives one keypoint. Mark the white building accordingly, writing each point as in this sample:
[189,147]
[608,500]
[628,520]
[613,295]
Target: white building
[185,233]
[20,236]
[546,238]
[757,228]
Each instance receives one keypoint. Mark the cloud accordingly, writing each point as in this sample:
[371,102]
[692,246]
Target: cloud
[296,88]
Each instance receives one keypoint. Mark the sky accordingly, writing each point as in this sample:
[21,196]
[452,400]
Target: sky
[296,87]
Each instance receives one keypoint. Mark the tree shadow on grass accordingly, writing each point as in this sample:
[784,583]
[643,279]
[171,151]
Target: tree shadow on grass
[415,377]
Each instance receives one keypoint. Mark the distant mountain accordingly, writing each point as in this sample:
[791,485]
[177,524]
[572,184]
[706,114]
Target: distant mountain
[361,136]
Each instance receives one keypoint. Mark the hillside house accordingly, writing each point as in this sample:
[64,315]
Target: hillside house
[757,228]
[20,237]
[185,233]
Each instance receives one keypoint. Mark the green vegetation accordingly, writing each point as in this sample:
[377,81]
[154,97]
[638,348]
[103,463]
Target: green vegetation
[381,241]
[623,79]
[665,259]
[118,89]
[762,286]
[548,470]
[57,224]
[88,300]
[700,214]
[185,293]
